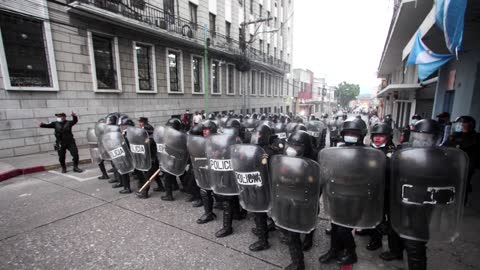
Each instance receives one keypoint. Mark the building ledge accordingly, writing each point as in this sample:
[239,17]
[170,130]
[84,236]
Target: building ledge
[395,87]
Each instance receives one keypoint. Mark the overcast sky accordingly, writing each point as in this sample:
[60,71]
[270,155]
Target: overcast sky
[341,40]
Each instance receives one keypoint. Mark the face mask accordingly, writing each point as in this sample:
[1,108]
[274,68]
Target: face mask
[59,119]
[458,128]
[291,152]
[350,139]
[378,146]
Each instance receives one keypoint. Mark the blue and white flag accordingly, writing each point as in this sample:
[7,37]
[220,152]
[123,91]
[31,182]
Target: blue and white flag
[427,61]
[450,16]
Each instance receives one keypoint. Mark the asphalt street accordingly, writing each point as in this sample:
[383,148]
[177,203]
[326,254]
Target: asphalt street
[53,221]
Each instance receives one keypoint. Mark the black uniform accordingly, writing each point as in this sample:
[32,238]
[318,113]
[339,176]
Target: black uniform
[64,140]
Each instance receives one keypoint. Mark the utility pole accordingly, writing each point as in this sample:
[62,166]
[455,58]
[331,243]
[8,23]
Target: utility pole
[205,70]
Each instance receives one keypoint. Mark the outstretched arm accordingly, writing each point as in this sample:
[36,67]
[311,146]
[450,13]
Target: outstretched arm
[49,125]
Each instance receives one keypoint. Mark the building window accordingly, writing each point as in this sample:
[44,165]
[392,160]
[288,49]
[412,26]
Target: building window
[174,71]
[216,78]
[193,15]
[197,79]
[275,22]
[254,81]
[275,87]
[145,68]
[27,58]
[227,31]
[261,45]
[268,49]
[230,79]
[212,24]
[239,83]
[268,16]
[251,6]
[262,83]
[260,10]
[275,52]
[105,62]
[269,86]
[281,55]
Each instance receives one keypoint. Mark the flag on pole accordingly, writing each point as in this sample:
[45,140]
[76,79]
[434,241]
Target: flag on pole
[450,16]
[427,61]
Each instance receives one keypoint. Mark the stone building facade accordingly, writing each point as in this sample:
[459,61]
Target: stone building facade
[94,57]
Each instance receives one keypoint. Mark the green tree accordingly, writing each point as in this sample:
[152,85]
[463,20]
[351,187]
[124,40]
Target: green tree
[346,92]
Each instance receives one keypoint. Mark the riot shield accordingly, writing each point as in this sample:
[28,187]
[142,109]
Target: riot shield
[196,146]
[266,122]
[99,131]
[171,150]
[317,130]
[295,193]
[222,178]
[291,128]
[251,172]
[140,148]
[118,151]
[354,183]
[428,192]
[280,131]
[92,141]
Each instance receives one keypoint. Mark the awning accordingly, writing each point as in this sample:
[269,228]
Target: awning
[396,87]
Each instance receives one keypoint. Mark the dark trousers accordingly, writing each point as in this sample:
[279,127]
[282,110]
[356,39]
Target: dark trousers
[416,253]
[341,238]
[72,148]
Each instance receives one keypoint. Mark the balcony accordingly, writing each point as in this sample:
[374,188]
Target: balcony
[141,15]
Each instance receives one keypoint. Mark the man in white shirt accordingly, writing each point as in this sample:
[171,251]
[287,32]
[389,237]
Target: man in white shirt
[197,118]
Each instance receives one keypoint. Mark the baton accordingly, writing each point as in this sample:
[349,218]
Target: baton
[149,180]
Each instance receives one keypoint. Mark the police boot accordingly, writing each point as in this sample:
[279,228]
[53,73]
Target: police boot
[104,175]
[238,212]
[308,241]
[347,256]
[64,167]
[159,187]
[126,184]
[227,221]
[262,229]
[390,256]
[296,253]
[143,194]
[168,191]
[207,206]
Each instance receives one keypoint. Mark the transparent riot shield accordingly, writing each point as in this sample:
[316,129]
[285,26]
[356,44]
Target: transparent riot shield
[99,131]
[118,151]
[317,130]
[171,150]
[92,141]
[140,148]
[354,183]
[250,166]
[196,146]
[295,193]
[222,178]
[428,192]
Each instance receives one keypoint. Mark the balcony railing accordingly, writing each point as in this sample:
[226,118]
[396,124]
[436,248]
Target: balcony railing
[144,12]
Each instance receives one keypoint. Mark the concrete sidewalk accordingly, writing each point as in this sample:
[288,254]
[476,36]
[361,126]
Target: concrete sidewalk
[14,166]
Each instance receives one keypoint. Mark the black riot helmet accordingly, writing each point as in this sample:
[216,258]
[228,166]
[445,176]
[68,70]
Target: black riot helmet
[197,130]
[174,123]
[464,119]
[121,119]
[298,144]
[381,128]
[111,118]
[262,135]
[424,133]
[125,121]
[254,116]
[210,126]
[235,127]
[263,117]
[354,125]
[300,126]
[149,129]
[233,123]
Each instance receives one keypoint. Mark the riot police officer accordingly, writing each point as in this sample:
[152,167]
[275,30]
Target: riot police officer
[64,139]
[381,138]
[298,144]
[191,186]
[342,243]
[125,122]
[169,179]
[208,128]
[262,138]
[465,137]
